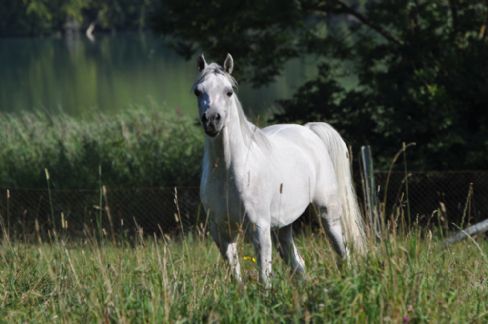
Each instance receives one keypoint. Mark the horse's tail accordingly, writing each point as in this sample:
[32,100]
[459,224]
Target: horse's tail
[352,221]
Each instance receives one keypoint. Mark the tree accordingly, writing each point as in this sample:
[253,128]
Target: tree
[41,17]
[419,64]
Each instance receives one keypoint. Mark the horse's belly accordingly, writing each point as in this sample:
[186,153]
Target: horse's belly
[289,202]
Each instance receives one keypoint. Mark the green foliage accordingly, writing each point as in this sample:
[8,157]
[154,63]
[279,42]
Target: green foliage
[432,89]
[404,280]
[418,67]
[137,148]
[41,17]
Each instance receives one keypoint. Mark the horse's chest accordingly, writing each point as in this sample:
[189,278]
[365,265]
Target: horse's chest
[221,196]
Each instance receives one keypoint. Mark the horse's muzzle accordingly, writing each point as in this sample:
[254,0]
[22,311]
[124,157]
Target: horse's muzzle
[212,124]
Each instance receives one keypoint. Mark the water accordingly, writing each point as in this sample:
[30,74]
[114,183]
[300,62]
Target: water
[114,72]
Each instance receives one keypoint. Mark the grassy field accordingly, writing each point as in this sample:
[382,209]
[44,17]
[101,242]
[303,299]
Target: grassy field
[409,279]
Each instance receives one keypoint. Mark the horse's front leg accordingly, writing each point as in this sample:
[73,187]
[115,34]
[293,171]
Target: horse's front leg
[228,249]
[261,238]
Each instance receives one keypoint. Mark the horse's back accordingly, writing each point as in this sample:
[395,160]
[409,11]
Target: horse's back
[293,134]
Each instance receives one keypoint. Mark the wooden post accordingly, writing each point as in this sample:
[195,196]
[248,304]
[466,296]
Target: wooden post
[370,188]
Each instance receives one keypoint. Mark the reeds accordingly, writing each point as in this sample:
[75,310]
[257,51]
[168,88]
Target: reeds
[141,147]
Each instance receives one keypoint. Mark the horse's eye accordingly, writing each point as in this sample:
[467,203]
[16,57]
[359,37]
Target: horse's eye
[197,92]
[229,93]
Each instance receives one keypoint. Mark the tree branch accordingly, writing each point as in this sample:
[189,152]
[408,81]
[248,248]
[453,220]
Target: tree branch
[363,19]
[340,7]
[478,228]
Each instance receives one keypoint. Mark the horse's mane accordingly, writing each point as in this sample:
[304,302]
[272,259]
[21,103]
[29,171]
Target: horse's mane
[251,132]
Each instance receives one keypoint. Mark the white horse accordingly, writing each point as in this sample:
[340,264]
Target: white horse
[262,180]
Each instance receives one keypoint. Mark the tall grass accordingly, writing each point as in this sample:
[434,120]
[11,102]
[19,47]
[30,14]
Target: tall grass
[141,147]
[407,279]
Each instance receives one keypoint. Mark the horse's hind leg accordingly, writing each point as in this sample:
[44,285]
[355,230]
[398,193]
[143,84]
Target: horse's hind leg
[228,249]
[288,251]
[332,216]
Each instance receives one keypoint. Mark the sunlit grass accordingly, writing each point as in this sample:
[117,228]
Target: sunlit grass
[402,279]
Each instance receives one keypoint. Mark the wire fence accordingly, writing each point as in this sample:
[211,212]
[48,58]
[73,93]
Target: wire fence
[443,198]
[428,198]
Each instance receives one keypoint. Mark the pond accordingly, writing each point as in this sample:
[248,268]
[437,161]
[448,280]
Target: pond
[114,72]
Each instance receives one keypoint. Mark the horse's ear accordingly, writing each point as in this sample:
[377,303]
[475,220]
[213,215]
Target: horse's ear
[229,64]
[201,63]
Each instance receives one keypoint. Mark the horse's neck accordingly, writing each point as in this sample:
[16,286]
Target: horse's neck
[229,148]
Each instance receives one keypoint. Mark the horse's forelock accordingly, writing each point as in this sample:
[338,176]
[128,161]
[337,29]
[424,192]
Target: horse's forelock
[214,68]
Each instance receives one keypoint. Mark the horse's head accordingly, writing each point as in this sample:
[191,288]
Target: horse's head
[214,90]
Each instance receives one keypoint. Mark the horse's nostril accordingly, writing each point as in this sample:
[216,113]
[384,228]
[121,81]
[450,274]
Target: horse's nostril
[204,118]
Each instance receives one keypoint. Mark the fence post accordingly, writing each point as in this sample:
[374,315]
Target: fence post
[370,188]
